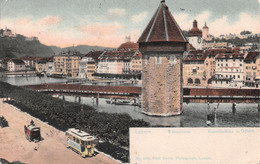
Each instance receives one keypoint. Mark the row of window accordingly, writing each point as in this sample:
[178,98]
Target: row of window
[249,67]
[234,64]
[221,60]
[231,70]
[230,76]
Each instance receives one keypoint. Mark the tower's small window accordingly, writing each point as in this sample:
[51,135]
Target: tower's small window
[158,60]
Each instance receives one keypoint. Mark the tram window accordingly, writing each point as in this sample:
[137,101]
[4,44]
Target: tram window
[77,140]
[88,142]
[73,138]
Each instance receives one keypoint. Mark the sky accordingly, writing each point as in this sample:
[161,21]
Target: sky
[106,22]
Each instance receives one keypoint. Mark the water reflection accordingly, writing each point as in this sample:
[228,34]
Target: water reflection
[31,80]
[194,115]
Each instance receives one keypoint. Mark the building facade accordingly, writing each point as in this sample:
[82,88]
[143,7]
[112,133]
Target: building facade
[87,67]
[29,62]
[252,69]
[115,62]
[195,36]
[15,65]
[136,63]
[40,65]
[229,70]
[67,64]
[195,69]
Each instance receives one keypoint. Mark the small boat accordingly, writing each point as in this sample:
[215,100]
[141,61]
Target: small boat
[122,102]
[58,76]
[39,74]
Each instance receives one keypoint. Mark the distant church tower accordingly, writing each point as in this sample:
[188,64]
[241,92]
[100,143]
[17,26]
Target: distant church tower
[205,32]
[195,36]
[162,45]
[127,39]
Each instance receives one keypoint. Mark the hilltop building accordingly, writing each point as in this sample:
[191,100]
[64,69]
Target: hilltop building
[162,45]
[6,33]
[205,31]
[195,36]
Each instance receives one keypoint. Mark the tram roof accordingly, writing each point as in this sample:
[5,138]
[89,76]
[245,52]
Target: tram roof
[80,134]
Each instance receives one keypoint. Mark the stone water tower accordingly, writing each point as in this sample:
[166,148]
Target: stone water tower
[162,45]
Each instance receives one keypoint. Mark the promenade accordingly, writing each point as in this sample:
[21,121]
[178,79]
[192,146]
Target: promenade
[51,150]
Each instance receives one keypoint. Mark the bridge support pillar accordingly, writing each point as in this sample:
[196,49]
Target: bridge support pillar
[234,108]
[63,97]
[97,98]
[259,107]
[79,99]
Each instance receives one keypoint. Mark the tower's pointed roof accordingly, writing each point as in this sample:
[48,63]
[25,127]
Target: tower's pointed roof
[162,27]
[205,26]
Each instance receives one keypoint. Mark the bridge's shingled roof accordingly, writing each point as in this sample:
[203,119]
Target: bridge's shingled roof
[138,90]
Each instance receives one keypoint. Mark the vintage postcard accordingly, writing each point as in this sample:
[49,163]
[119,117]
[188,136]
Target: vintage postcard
[117,81]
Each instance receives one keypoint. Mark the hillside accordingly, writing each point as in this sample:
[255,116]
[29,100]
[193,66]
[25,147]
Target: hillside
[84,49]
[240,42]
[19,47]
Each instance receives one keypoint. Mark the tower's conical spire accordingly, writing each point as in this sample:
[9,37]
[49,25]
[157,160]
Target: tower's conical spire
[162,27]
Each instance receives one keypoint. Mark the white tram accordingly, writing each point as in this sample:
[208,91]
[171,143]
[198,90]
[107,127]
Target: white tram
[81,142]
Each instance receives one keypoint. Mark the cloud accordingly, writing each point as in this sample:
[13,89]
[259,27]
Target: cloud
[101,29]
[117,12]
[139,17]
[185,20]
[50,20]
[203,17]
[24,21]
[245,22]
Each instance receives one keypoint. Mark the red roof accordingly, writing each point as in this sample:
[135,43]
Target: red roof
[230,56]
[128,46]
[94,54]
[205,26]
[117,55]
[28,58]
[224,50]
[198,55]
[162,27]
[252,56]
[139,54]
[195,31]
[17,61]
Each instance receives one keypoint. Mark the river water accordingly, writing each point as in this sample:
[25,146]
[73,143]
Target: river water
[194,115]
